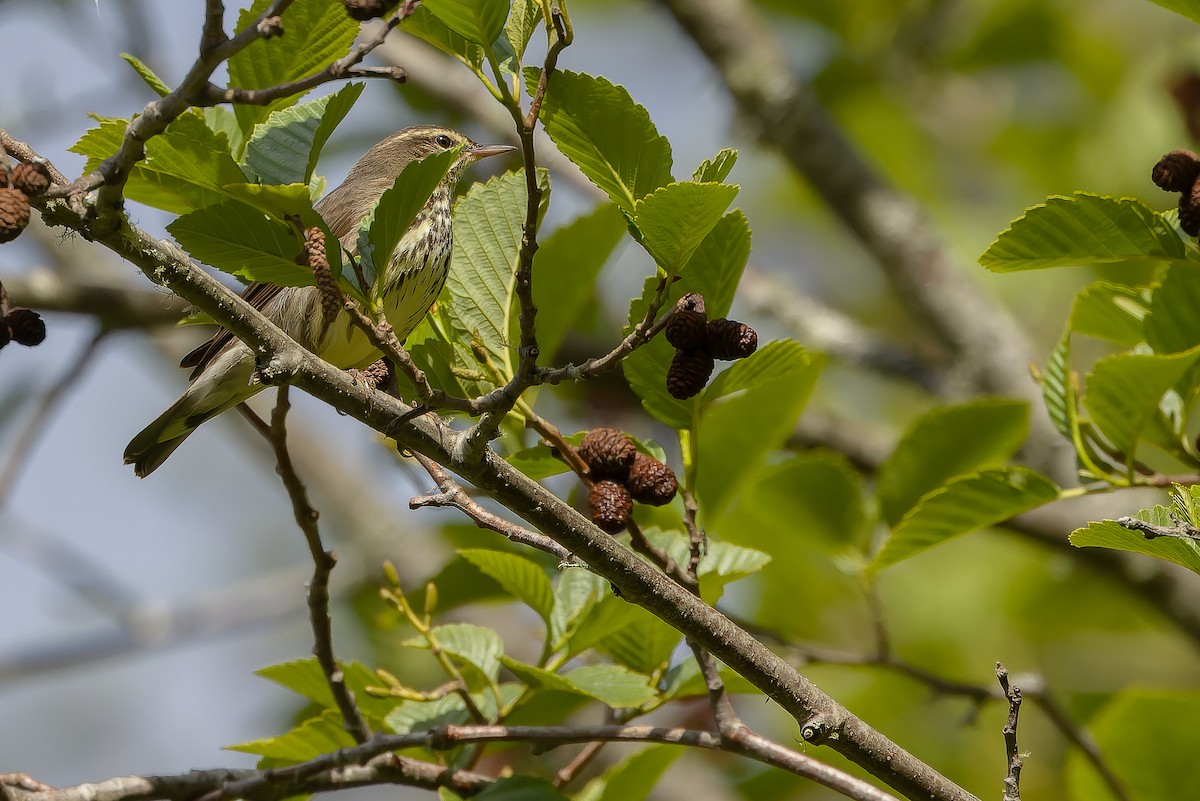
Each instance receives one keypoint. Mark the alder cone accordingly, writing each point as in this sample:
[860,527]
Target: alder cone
[26,326]
[729,339]
[363,10]
[33,179]
[686,329]
[1189,210]
[608,452]
[651,482]
[1176,171]
[14,213]
[688,373]
[610,505]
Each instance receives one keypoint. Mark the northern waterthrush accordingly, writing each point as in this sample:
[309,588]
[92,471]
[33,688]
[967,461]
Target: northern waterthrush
[224,368]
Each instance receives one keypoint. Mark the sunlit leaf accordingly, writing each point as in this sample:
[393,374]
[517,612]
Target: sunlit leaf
[478,646]
[523,578]
[674,219]
[284,149]
[478,21]
[1172,324]
[156,84]
[1109,311]
[319,735]
[717,168]
[633,778]
[241,241]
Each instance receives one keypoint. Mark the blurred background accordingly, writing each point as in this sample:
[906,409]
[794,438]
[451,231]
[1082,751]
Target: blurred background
[133,614]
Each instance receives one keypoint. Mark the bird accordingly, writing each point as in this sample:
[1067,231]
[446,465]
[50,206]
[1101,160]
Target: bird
[223,372]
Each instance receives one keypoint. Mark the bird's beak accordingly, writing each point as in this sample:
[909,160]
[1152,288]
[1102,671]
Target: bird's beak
[483,151]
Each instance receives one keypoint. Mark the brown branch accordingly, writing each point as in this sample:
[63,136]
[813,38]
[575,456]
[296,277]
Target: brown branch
[1012,782]
[323,564]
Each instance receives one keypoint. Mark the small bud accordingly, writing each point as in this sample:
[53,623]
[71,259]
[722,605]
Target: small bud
[651,482]
[33,178]
[14,213]
[610,505]
[26,326]
[688,373]
[729,339]
[608,452]
[389,572]
[431,598]
[1176,171]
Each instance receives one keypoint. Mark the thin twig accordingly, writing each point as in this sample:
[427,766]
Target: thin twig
[323,564]
[1012,782]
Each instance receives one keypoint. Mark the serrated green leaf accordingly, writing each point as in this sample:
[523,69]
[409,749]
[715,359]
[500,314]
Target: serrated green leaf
[520,577]
[946,442]
[1082,229]
[521,788]
[747,410]
[540,678]
[478,21]
[185,167]
[523,20]
[1172,324]
[155,83]
[389,219]
[428,28]
[964,505]
[1143,737]
[633,778]
[411,716]
[478,646]
[644,644]
[305,677]
[564,274]
[597,125]
[577,591]
[1058,388]
[278,201]
[1109,311]
[674,220]
[714,271]
[613,685]
[222,120]
[600,621]
[1123,393]
[818,496]
[487,243]
[1110,534]
[717,168]
[284,149]
[316,33]
[241,241]
[323,734]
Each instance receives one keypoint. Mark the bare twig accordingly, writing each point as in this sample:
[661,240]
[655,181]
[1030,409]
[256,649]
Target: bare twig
[1181,531]
[1012,782]
[323,564]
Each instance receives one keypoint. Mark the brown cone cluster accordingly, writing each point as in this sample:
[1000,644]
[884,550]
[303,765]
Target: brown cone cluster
[23,326]
[362,10]
[698,341]
[16,187]
[1179,171]
[624,475]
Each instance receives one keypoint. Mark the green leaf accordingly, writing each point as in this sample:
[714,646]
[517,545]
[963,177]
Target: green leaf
[613,685]
[428,28]
[520,788]
[1123,393]
[478,21]
[565,270]
[306,678]
[597,125]
[487,244]
[523,20]
[578,590]
[236,239]
[284,149]
[947,442]
[675,219]
[323,734]
[644,644]
[477,646]
[1082,229]
[155,83]
[385,225]
[1172,324]
[747,410]
[1185,8]
[278,201]
[1058,389]
[819,496]
[316,32]
[725,563]
[1144,737]
[962,506]
[1109,311]
[411,716]
[522,578]
[185,167]
[633,778]
[714,271]
[1112,535]
[686,681]
[717,168]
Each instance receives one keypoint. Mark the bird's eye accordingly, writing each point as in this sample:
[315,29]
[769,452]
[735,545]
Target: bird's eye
[443,141]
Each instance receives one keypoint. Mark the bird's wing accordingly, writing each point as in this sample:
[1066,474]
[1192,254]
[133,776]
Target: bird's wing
[258,295]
